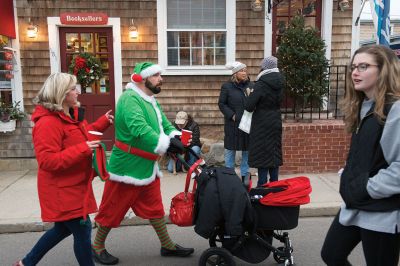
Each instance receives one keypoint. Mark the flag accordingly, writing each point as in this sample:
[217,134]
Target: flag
[380,14]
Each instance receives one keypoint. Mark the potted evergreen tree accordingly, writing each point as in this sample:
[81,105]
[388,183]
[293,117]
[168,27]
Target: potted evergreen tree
[9,114]
[301,58]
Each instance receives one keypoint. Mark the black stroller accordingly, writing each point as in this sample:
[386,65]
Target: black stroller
[235,221]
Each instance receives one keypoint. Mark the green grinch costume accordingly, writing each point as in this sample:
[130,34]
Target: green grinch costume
[142,133]
[140,123]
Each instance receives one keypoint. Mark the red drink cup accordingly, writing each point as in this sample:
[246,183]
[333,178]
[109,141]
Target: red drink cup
[94,135]
[186,135]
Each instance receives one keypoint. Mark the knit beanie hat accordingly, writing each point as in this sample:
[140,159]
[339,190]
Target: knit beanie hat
[269,63]
[144,70]
[235,66]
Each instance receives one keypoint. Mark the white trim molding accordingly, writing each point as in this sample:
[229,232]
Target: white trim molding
[355,30]
[268,31]
[326,26]
[16,83]
[54,24]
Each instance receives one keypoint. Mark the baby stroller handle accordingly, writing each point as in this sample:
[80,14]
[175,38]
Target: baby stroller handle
[182,160]
[193,153]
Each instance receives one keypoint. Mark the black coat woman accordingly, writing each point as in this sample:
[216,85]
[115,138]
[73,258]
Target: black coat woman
[265,146]
[231,103]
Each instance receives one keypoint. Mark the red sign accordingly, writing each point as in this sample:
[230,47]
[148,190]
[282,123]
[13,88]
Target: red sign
[7,18]
[84,18]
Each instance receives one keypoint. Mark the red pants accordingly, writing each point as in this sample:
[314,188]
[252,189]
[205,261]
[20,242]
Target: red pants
[145,201]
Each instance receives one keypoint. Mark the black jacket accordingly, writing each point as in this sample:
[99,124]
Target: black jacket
[365,159]
[194,127]
[265,145]
[231,102]
[221,200]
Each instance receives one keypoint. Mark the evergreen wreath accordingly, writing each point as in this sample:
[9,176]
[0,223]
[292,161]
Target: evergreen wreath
[86,68]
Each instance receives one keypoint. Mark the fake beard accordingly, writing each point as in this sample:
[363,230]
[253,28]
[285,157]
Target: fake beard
[154,89]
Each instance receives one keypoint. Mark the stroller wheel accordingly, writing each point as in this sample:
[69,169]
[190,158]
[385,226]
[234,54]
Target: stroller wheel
[216,256]
[282,259]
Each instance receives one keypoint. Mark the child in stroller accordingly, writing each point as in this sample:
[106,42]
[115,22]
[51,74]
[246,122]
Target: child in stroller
[236,220]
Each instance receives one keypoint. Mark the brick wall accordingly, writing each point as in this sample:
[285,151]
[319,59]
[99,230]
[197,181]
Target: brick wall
[314,147]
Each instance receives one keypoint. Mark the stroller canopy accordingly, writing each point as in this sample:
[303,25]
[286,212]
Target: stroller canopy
[296,192]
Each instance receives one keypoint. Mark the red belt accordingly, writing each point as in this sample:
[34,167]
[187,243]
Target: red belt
[132,150]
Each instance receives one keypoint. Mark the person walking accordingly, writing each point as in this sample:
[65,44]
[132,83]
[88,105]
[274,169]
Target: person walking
[231,103]
[265,144]
[370,181]
[143,133]
[64,157]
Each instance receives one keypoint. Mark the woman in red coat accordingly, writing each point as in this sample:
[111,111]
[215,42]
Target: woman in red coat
[64,157]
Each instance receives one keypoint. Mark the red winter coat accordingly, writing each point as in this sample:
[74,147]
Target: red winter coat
[65,164]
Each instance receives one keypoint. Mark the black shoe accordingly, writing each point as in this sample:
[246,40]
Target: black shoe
[104,258]
[178,252]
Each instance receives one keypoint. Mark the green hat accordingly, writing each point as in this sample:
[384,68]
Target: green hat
[144,70]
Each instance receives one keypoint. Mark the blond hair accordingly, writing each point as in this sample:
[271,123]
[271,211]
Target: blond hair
[54,90]
[388,86]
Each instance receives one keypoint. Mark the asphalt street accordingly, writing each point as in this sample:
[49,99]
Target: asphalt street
[138,245]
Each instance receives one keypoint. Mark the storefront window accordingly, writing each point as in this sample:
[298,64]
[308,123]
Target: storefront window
[7,62]
[196,32]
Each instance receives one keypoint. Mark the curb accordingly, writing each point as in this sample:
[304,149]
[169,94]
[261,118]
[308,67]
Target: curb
[23,227]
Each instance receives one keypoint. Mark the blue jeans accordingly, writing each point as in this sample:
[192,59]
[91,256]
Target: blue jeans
[230,156]
[263,175]
[191,160]
[82,244]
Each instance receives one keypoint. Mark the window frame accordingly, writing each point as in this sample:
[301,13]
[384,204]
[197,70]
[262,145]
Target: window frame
[195,70]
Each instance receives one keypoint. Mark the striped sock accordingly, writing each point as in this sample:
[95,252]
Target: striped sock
[101,235]
[160,227]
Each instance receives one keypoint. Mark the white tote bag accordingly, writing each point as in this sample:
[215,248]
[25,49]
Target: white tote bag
[245,122]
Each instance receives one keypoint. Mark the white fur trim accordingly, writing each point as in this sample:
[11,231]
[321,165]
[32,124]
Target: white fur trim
[162,145]
[145,97]
[175,133]
[150,71]
[138,182]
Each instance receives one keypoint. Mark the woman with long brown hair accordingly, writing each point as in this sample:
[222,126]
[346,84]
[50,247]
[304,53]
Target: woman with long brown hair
[370,182]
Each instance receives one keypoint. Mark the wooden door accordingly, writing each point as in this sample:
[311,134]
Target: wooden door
[98,98]
[284,11]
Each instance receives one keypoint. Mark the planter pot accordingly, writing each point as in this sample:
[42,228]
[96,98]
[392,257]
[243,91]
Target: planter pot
[7,126]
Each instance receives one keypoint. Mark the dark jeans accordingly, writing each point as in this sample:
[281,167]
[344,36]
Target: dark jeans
[82,245]
[263,175]
[380,249]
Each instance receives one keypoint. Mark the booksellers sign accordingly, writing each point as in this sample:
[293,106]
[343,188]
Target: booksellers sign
[83,18]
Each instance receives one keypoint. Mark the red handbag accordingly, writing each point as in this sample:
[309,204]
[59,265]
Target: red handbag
[181,211]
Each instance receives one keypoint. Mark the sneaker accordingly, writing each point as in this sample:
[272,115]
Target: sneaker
[178,252]
[104,257]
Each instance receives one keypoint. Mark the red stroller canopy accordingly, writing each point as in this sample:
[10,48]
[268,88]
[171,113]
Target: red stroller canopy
[297,192]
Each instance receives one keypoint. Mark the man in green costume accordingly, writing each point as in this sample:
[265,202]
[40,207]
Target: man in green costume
[143,133]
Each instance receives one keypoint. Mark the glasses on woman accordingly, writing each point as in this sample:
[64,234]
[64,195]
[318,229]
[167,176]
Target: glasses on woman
[361,67]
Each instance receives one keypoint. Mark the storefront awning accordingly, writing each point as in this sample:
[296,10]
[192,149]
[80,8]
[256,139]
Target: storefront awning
[7,27]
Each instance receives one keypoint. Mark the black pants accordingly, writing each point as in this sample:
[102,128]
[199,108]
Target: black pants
[380,249]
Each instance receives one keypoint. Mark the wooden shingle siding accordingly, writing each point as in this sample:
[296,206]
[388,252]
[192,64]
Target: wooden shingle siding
[341,35]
